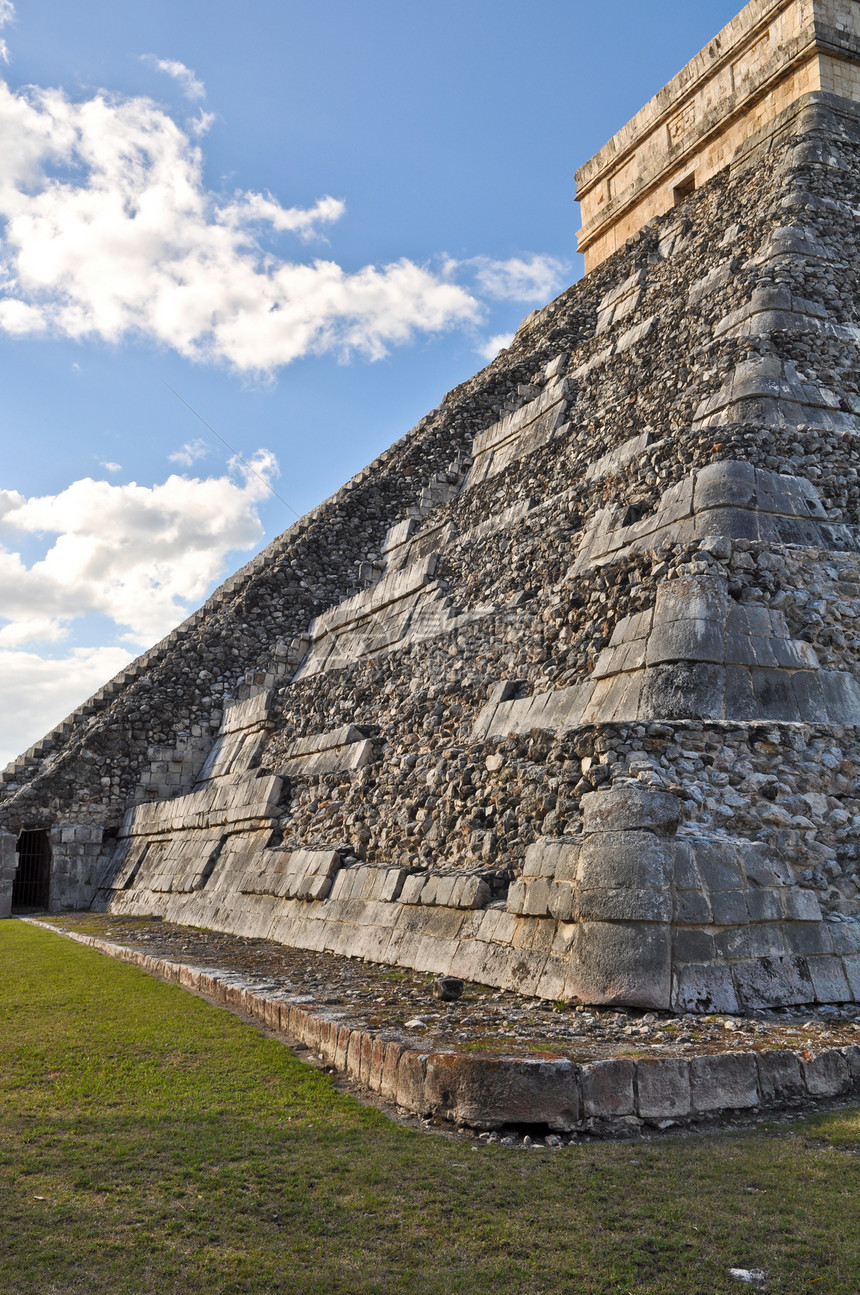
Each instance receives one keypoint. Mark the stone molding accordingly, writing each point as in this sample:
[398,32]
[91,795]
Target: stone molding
[489,1092]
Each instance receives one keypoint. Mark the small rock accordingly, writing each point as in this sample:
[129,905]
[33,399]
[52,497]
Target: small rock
[752,1276]
[448,988]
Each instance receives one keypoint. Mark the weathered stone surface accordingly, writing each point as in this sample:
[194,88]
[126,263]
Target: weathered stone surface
[826,1075]
[727,1082]
[630,809]
[623,963]
[487,1092]
[608,1089]
[612,860]
[780,1078]
[663,1089]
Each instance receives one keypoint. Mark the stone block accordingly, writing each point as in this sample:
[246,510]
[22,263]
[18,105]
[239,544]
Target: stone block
[807,938]
[693,907]
[729,907]
[411,1070]
[802,905]
[719,864]
[623,964]
[537,898]
[475,893]
[662,1088]
[704,989]
[392,886]
[683,691]
[694,597]
[829,980]
[852,974]
[773,982]
[516,901]
[563,902]
[852,1060]
[725,1082]
[444,891]
[625,905]
[611,860]
[845,938]
[488,1092]
[762,941]
[625,809]
[686,640]
[692,945]
[775,696]
[412,887]
[826,1075]
[547,855]
[780,1078]
[764,905]
[687,875]
[608,1088]
[388,1084]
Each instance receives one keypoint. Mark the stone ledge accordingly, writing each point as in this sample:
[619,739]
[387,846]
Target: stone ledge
[488,1092]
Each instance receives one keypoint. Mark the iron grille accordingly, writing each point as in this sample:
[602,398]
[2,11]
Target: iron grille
[32,884]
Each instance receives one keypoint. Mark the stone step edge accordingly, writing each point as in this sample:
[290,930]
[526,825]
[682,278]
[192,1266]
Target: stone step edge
[489,1092]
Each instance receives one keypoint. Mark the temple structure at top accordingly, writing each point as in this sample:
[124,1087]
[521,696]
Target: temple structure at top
[733,99]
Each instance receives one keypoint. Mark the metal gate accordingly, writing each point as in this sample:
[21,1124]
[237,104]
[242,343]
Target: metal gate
[31,888]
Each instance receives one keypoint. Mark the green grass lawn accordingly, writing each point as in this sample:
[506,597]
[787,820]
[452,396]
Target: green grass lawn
[151,1143]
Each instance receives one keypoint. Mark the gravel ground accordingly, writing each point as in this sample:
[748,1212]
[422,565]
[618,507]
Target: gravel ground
[401,1004]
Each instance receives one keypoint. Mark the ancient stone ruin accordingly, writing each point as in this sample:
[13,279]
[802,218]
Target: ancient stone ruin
[560,693]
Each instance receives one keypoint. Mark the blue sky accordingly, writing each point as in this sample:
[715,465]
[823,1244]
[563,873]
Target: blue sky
[309,220]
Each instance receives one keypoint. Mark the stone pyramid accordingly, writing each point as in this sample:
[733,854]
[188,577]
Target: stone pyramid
[560,693]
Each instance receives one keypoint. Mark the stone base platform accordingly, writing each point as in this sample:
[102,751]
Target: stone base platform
[585,1088]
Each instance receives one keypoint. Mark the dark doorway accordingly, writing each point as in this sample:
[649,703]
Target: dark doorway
[31,889]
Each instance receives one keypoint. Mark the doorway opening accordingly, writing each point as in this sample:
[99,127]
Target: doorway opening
[31,889]
[683,190]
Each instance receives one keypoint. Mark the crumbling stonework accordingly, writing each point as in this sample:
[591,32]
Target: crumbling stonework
[562,693]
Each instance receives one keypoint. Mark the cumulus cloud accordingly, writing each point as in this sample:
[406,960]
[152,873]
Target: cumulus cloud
[140,555]
[490,349]
[190,452]
[37,692]
[111,232]
[111,467]
[188,81]
[537,278]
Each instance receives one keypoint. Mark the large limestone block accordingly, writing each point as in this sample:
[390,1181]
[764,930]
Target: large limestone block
[663,1088]
[608,1089]
[621,964]
[490,1092]
[779,1076]
[683,691]
[625,809]
[609,860]
[727,1082]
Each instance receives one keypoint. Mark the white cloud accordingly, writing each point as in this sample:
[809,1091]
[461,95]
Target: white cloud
[38,692]
[199,125]
[490,349]
[188,81]
[190,452]
[537,278]
[110,232]
[111,467]
[139,555]
[7,13]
